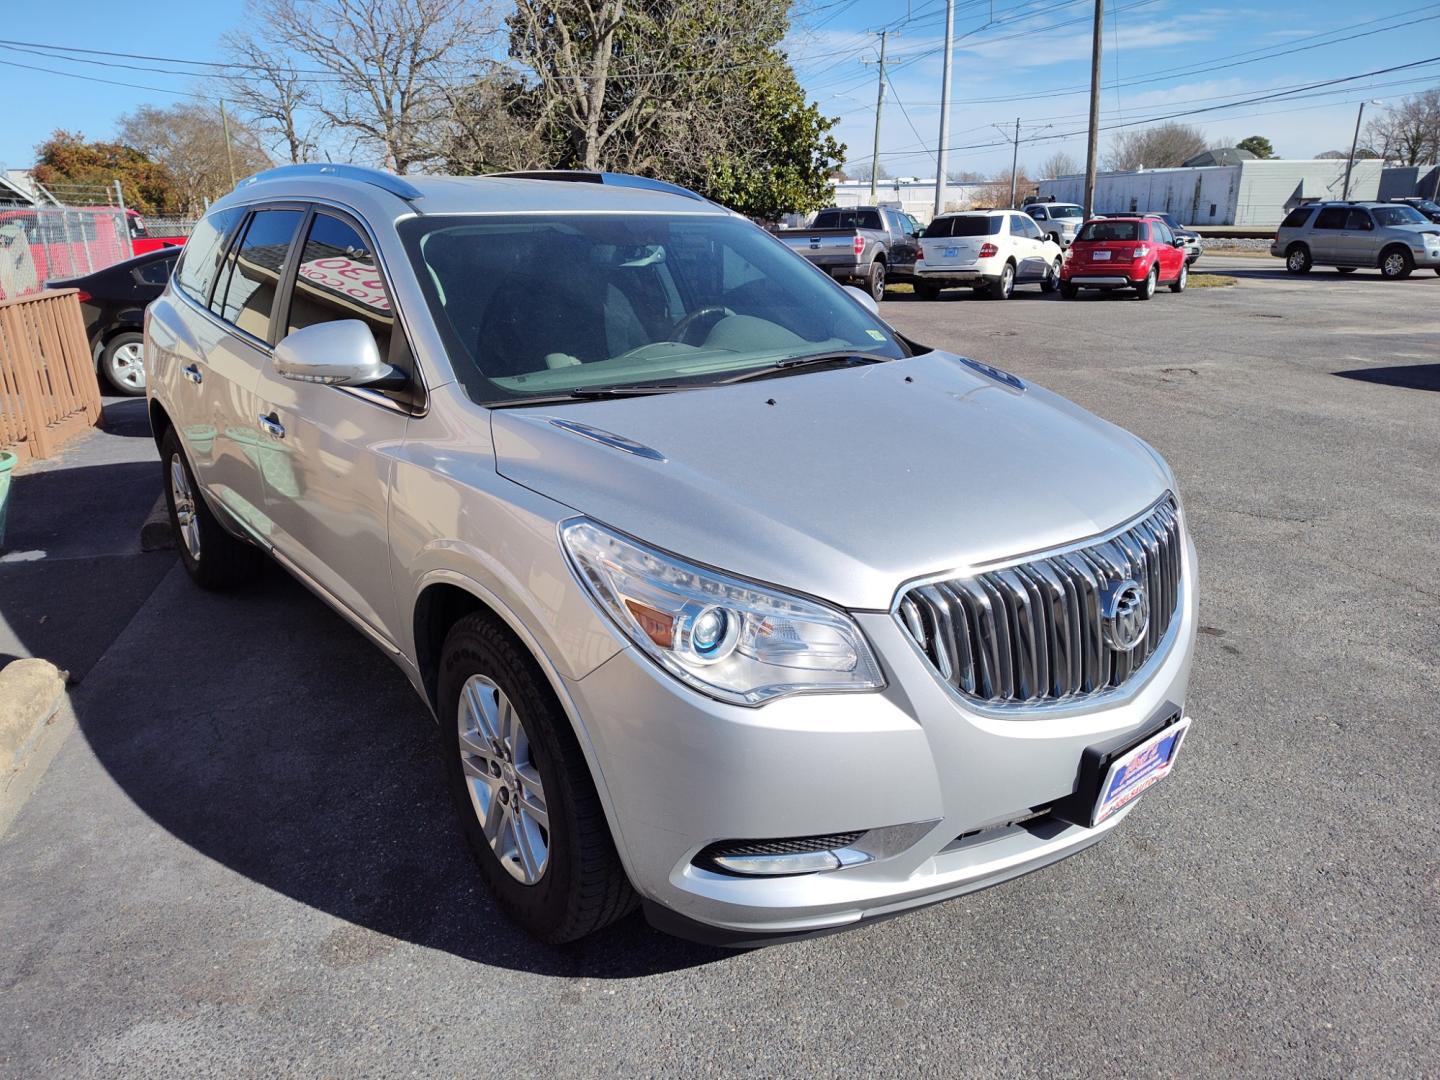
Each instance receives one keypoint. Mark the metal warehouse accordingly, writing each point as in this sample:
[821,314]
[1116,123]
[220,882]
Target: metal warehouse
[1252,192]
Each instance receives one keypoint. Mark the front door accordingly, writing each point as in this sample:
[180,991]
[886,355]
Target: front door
[327,476]
[1356,244]
[1326,238]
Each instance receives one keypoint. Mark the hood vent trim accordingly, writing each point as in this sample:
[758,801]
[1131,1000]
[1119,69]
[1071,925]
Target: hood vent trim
[609,438]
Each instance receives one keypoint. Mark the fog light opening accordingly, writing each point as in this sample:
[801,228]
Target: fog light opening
[782,858]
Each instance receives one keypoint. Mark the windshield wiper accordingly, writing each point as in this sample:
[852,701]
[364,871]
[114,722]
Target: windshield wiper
[785,367]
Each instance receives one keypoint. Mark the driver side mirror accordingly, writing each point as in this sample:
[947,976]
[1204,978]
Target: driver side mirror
[338,353]
[864,299]
[1177,242]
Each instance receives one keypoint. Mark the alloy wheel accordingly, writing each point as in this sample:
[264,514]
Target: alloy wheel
[127,365]
[504,785]
[184,501]
[1394,264]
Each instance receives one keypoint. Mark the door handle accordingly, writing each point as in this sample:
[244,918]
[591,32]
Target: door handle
[192,372]
[272,426]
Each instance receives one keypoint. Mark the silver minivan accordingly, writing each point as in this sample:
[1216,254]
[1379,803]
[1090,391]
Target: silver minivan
[730,601]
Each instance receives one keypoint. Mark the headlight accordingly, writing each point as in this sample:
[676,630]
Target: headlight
[728,638]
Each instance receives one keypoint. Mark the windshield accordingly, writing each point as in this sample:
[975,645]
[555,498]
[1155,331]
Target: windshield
[1066,211]
[1102,231]
[532,306]
[1397,215]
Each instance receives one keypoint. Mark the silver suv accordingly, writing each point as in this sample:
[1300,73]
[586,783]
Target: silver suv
[729,601]
[1349,235]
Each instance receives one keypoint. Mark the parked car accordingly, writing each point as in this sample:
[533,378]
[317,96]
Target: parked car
[141,239]
[112,302]
[729,600]
[1138,253]
[1428,207]
[1193,245]
[1058,221]
[1350,235]
[867,245]
[991,251]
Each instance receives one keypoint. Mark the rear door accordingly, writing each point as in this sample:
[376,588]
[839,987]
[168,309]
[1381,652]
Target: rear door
[1170,257]
[1030,254]
[902,241]
[329,449]
[1326,235]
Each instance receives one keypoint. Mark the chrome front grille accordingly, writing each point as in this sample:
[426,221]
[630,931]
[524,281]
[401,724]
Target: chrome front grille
[1034,634]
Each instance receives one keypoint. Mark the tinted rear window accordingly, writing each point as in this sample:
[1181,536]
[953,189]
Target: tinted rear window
[1296,218]
[966,226]
[847,219]
[1101,231]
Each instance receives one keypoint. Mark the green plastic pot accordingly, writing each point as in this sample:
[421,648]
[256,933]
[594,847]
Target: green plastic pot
[7,462]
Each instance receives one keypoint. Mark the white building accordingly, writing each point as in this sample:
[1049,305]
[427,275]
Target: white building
[1253,192]
[914,195]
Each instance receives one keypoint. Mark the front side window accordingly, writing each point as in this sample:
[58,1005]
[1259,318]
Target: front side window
[555,305]
[1025,227]
[1038,213]
[338,279]
[203,252]
[1397,215]
[1359,220]
[245,291]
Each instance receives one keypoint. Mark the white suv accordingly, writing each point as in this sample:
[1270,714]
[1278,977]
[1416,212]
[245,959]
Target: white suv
[992,251]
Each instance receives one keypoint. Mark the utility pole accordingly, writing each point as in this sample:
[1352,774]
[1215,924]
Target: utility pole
[1014,163]
[229,153]
[879,103]
[1354,145]
[944,108]
[1092,149]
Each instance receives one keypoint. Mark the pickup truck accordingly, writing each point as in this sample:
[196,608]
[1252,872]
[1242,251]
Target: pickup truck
[865,244]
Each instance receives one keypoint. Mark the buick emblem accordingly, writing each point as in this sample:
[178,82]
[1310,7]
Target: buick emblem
[1124,615]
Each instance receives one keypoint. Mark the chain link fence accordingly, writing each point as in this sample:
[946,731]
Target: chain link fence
[44,243]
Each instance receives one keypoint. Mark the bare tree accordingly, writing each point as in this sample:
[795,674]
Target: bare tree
[1164,146]
[382,71]
[189,140]
[864,169]
[997,191]
[269,89]
[1059,164]
[1409,132]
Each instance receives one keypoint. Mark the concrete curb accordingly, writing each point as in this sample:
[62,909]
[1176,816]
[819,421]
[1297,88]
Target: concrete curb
[156,534]
[31,692]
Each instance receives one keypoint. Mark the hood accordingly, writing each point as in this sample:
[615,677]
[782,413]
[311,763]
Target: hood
[842,484]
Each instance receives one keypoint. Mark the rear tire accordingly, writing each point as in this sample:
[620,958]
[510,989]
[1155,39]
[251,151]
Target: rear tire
[1178,285]
[1005,287]
[1146,289]
[1052,278]
[580,885]
[1069,290]
[1297,259]
[1396,263]
[875,280]
[213,558]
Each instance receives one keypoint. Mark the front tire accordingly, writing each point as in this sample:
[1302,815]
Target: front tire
[122,362]
[1178,285]
[1146,289]
[213,558]
[1297,259]
[1396,263]
[527,803]
[1052,278]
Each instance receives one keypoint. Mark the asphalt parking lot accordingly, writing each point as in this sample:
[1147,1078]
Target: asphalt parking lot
[242,861]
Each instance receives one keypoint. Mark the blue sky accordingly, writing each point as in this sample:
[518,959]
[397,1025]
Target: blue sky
[1029,59]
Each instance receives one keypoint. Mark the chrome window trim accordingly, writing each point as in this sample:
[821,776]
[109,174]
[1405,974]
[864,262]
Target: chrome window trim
[1120,695]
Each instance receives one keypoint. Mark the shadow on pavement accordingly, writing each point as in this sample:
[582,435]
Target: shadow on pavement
[263,732]
[128,416]
[1408,376]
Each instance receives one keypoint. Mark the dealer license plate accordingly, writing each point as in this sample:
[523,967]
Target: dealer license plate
[950,253]
[1101,256]
[1138,769]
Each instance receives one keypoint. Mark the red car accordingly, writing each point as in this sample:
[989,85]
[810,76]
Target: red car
[1139,253]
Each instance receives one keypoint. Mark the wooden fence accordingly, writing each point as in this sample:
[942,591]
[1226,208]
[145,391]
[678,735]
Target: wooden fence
[48,392]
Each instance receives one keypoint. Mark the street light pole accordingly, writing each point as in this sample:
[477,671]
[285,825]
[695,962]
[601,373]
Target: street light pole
[944,108]
[879,102]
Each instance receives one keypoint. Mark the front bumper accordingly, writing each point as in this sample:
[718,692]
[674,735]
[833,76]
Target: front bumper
[936,784]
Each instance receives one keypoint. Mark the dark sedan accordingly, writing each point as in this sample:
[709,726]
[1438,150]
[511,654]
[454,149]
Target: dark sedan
[112,302]
[1193,246]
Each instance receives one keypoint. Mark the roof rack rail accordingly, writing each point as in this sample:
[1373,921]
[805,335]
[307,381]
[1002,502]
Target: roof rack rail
[386,181]
[588,176]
